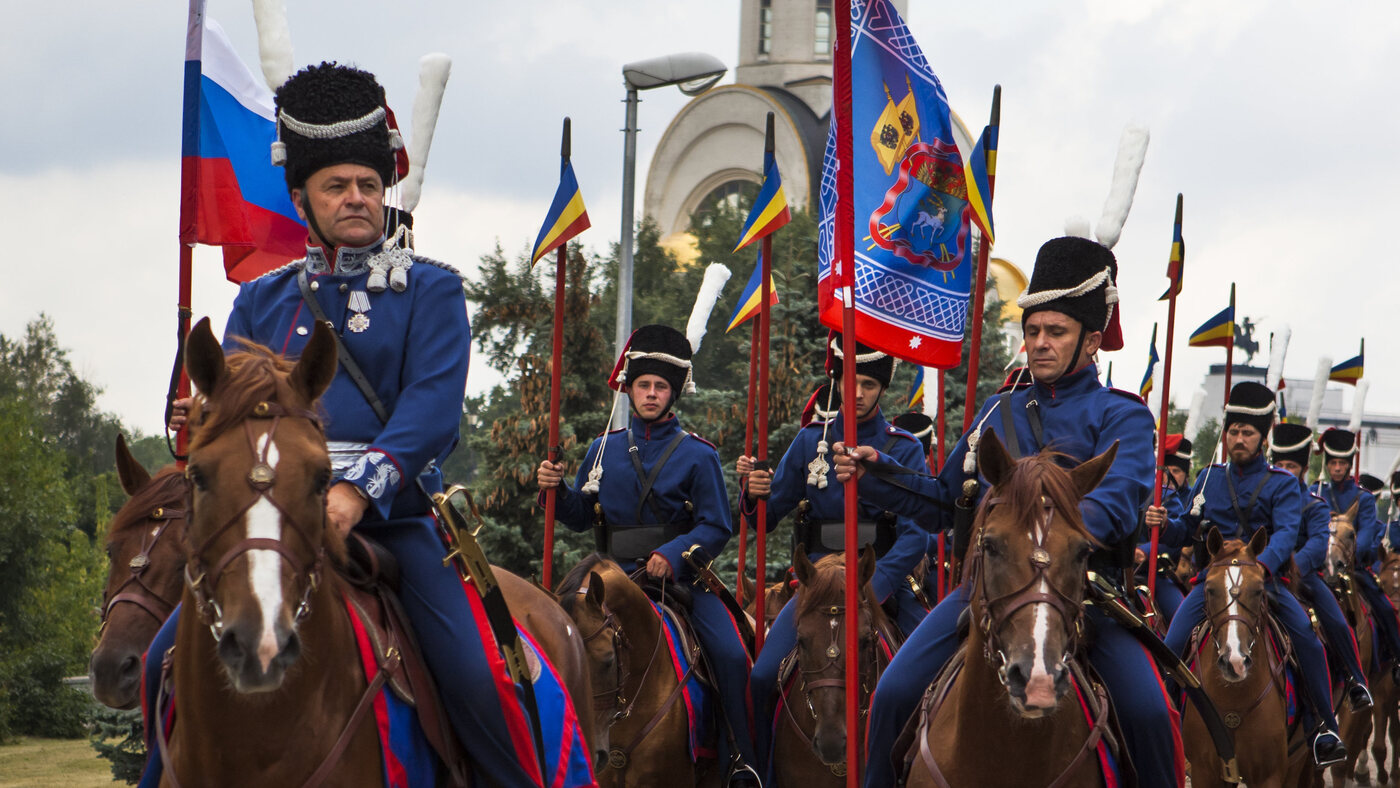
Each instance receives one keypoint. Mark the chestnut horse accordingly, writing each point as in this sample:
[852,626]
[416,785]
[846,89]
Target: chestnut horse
[1355,726]
[1386,715]
[146,550]
[1242,674]
[1008,705]
[775,596]
[649,737]
[809,746]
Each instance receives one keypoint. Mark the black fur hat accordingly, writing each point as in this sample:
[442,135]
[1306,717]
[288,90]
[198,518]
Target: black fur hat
[1371,484]
[655,350]
[824,404]
[869,362]
[1395,482]
[332,114]
[1179,452]
[919,425]
[1251,403]
[1338,444]
[1070,263]
[1290,442]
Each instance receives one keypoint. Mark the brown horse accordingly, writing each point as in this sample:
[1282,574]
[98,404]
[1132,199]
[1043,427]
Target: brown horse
[145,549]
[1386,714]
[775,596]
[1355,726]
[809,746]
[1241,673]
[649,736]
[1008,705]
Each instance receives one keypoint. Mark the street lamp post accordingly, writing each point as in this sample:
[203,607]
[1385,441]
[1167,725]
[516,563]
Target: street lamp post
[693,73]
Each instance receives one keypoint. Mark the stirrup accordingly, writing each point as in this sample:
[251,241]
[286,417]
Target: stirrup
[1328,749]
[743,775]
[1358,696]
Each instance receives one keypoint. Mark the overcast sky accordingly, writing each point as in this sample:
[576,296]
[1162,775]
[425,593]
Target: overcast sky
[1277,121]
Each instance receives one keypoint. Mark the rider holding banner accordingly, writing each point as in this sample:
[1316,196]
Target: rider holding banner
[1068,306]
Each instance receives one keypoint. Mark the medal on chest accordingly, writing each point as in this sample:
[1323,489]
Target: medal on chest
[359,304]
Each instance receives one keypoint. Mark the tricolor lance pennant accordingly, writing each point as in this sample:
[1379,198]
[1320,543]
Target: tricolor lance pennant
[913,201]
[770,207]
[1176,263]
[1219,331]
[916,392]
[1145,387]
[748,305]
[1351,370]
[566,218]
[231,194]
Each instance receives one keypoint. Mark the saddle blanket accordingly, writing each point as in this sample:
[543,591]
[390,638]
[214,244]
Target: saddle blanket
[695,696]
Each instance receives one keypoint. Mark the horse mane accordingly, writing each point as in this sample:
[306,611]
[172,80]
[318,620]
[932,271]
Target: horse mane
[829,588]
[166,488]
[252,374]
[568,587]
[1031,477]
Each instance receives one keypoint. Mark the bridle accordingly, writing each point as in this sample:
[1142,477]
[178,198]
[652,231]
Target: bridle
[835,614]
[612,700]
[202,581]
[995,612]
[1252,622]
[143,596]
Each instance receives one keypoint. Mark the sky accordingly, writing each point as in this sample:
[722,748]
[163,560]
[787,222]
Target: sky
[1275,121]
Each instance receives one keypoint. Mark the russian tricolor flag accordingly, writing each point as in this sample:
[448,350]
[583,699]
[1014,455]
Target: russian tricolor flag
[231,194]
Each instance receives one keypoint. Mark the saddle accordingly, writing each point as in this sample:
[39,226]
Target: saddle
[372,577]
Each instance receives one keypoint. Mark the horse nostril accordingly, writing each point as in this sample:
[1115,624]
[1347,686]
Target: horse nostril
[230,649]
[130,665]
[292,649]
[1016,676]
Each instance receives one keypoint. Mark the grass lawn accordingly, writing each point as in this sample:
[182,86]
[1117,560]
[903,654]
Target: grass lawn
[50,763]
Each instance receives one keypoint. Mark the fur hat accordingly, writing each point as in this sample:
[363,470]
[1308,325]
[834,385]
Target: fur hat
[332,114]
[1338,444]
[919,425]
[1251,403]
[1179,452]
[1076,277]
[1371,484]
[1395,483]
[824,405]
[1290,442]
[869,362]
[655,350]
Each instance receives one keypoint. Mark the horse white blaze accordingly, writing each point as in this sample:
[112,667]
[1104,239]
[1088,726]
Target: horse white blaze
[1040,688]
[1234,645]
[265,566]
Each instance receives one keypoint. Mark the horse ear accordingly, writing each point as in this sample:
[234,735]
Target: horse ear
[747,588]
[802,565]
[993,460]
[133,475]
[1214,541]
[866,567]
[1258,542]
[1351,511]
[316,368]
[204,358]
[597,592]
[1382,555]
[1088,475]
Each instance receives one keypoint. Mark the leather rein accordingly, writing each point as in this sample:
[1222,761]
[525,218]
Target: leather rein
[143,596]
[1255,622]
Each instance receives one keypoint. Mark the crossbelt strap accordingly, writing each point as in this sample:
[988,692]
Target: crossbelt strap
[347,361]
[648,480]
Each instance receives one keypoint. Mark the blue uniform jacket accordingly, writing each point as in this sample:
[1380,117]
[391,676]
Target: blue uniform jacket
[1279,507]
[1174,535]
[692,473]
[420,337]
[1339,498]
[790,487]
[1310,553]
[1081,419]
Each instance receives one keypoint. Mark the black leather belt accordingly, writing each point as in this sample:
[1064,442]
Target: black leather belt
[829,536]
[637,542]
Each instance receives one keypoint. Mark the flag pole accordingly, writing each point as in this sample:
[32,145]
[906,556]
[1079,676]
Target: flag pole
[748,452]
[1229,370]
[938,433]
[979,283]
[189,183]
[765,314]
[1356,466]
[1172,278]
[556,384]
[845,272]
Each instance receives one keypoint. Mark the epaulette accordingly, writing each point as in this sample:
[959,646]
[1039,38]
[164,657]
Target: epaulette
[1277,469]
[702,440]
[1317,497]
[418,258]
[1014,386]
[893,430]
[1130,395]
[609,432]
[295,265]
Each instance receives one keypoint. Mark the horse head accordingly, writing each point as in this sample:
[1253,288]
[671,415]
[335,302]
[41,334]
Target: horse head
[257,540]
[1389,575]
[775,596]
[145,557]
[1341,543]
[1030,551]
[1235,600]
[821,620]
[603,641]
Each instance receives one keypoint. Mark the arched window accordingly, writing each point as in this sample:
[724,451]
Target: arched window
[731,197]
[822,41]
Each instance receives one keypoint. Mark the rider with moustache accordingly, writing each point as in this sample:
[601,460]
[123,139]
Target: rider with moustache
[1068,314]
[1239,498]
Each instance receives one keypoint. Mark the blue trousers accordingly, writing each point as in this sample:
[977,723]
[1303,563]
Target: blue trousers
[1383,612]
[1169,598]
[1146,715]
[450,637]
[729,662]
[1312,662]
[1334,625]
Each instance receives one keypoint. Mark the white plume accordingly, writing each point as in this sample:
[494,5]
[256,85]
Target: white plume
[1132,152]
[1324,371]
[1193,418]
[274,42]
[1358,405]
[931,403]
[1278,350]
[715,277]
[433,71]
[1154,397]
[1077,226]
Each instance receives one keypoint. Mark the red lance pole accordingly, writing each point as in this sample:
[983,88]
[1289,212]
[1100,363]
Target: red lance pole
[189,236]
[1173,276]
[1229,371]
[556,383]
[748,452]
[938,433]
[845,283]
[979,284]
[1356,466]
[765,294]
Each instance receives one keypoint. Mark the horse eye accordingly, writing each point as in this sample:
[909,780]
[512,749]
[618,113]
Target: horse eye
[196,477]
[323,480]
[990,547]
[1082,554]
